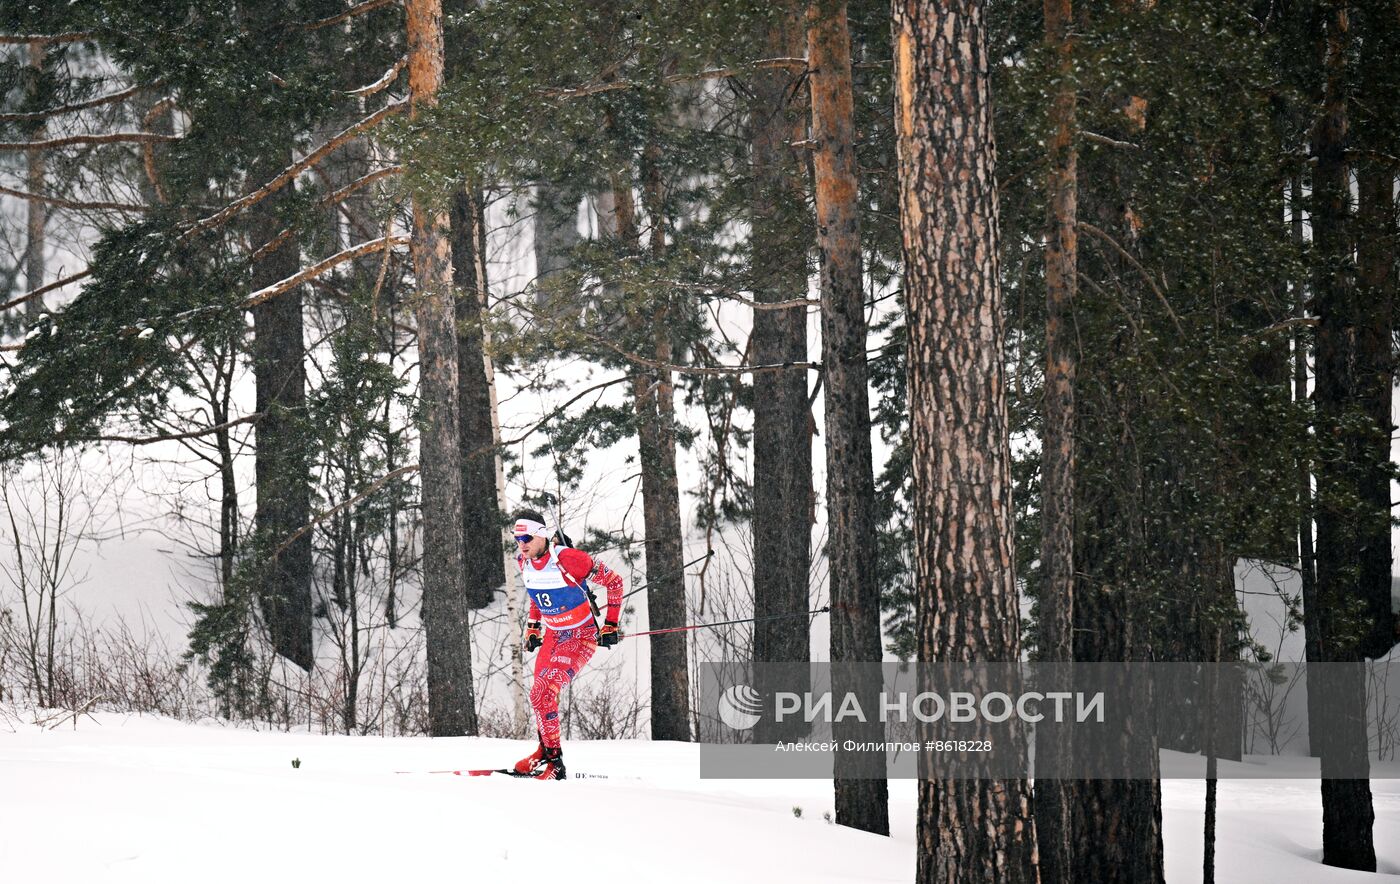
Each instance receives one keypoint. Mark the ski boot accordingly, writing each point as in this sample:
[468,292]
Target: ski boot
[552,767]
[527,765]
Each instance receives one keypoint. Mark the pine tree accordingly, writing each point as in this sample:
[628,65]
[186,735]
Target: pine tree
[452,707]
[861,799]
[961,468]
[779,243]
[1053,798]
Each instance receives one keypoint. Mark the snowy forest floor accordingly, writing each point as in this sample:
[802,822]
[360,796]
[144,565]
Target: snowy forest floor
[147,799]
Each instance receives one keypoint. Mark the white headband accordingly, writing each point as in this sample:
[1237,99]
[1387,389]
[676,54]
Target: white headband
[533,528]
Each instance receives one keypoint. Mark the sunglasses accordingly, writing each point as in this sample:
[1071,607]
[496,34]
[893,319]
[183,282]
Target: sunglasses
[524,538]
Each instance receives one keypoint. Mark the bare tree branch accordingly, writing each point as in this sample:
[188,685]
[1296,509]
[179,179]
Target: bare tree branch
[43,289]
[45,39]
[331,199]
[295,169]
[148,151]
[1104,139]
[1282,326]
[171,437]
[541,422]
[100,100]
[699,369]
[383,82]
[772,305]
[794,64]
[107,138]
[590,89]
[712,74]
[350,254]
[358,9]
[345,504]
[72,204]
[1137,265]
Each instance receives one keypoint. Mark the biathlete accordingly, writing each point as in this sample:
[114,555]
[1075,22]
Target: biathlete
[562,625]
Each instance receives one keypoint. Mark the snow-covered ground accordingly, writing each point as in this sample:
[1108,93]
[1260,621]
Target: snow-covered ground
[151,800]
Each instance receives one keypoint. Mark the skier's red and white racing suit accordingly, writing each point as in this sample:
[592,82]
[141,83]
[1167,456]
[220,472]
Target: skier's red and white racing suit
[557,584]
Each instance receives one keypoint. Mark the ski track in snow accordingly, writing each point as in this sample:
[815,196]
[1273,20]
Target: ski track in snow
[145,799]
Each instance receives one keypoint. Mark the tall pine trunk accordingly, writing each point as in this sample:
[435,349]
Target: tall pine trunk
[780,240]
[1307,562]
[862,793]
[1053,797]
[1117,823]
[38,211]
[653,398]
[1347,811]
[483,568]
[968,829]
[280,465]
[451,705]
[1376,133]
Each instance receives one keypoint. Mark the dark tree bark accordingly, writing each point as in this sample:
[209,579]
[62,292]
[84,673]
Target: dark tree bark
[969,829]
[780,239]
[1375,252]
[1307,565]
[1053,798]
[483,566]
[1348,455]
[220,394]
[280,464]
[38,211]
[862,793]
[653,398]
[1117,823]
[451,705]
[1377,132]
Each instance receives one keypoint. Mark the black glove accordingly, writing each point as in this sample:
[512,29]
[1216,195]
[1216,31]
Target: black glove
[608,635]
[533,638]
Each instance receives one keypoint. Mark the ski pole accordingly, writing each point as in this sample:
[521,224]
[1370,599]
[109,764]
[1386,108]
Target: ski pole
[682,568]
[821,610]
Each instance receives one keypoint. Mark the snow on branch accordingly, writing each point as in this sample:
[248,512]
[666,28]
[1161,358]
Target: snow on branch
[792,64]
[383,82]
[295,169]
[331,199]
[1283,325]
[1104,139]
[591,89]
[44,39]
[315,270]
[814,303]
